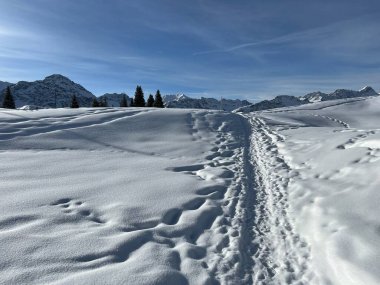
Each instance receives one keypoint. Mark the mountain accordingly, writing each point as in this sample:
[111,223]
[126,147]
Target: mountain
[54,91]
[184,102]
[4,84]
[314,97]
[344,93]
[277,102]
[113,99]
[288,100]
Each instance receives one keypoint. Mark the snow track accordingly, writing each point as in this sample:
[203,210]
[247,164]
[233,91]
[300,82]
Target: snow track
[280,255]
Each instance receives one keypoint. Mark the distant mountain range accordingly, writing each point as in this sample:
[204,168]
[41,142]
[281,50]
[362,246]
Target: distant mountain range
[288,101]
[185,102]
[57,90]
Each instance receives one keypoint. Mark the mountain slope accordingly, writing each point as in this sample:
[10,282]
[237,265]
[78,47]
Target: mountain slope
[184,102]
[277,102]
[54,91]
[314,97]
[343,93]
[113,99]
[4,84]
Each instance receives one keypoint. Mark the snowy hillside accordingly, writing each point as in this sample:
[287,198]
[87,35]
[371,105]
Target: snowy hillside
[185,102]
[118,196]
[172,196]
[114,99]
[54,90]
[4,84]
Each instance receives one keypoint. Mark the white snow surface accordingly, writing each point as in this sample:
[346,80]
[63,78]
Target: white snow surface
[329,154]
[173,196]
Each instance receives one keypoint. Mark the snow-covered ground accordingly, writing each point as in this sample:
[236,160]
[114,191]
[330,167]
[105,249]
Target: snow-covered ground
[163,196]
[321,166]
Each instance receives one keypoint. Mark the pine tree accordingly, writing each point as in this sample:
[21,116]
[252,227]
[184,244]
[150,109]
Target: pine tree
[123,102]
[158,103]
[132,103]
[8,101]
[74,102]
[150,101]
[95,103]
[139,97]
[103,102]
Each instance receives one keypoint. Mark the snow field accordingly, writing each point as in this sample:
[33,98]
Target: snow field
[332,150]
[113,196]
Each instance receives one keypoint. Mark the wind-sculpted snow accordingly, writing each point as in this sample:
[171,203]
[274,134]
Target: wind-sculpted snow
[121,196]
[163,196]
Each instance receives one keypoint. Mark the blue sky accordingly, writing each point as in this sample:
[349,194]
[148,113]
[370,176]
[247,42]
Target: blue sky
[236,49]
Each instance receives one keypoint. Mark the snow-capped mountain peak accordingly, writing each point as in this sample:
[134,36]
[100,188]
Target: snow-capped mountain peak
[54,91]
[185,102]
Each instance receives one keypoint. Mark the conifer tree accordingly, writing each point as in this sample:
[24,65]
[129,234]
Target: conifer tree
[132,103]
[123,102]
[103,102]
[139,97]
[158,103]
[74,102]
[8,101]
[95,103]
[150,101]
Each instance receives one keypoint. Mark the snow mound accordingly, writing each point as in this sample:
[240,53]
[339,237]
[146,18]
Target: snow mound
[30,107]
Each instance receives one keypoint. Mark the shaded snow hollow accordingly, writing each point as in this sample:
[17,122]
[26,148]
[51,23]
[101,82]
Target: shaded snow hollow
[164,196]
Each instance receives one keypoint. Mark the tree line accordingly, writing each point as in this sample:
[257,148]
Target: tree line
[137,101]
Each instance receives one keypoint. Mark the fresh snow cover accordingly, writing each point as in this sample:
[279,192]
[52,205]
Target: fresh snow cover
[174,196]
[326,156]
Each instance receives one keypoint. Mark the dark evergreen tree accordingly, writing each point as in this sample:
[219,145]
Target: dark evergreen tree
[103,102]
[74,102]
[132,103]
[8,101]
[95,103]
[150,101]
[123,102]
[158,103]
[139,97]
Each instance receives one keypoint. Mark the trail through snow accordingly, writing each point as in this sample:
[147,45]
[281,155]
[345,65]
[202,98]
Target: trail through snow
[147,196]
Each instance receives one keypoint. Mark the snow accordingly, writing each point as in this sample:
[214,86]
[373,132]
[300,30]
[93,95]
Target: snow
[174,196]
[110,195]
[332,155]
